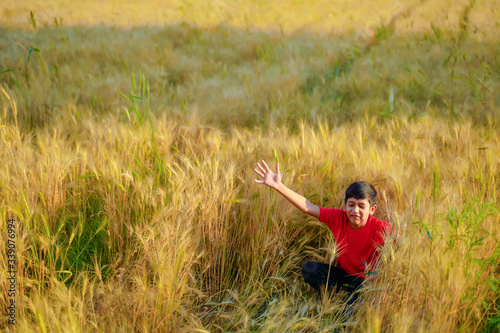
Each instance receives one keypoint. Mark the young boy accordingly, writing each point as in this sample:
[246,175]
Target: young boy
[357,233]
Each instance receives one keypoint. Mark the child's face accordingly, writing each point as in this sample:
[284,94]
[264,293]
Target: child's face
[358,211]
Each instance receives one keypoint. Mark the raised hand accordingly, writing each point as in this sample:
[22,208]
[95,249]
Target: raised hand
[269,178]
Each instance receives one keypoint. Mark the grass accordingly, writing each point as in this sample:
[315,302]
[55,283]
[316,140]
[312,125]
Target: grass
[128,151]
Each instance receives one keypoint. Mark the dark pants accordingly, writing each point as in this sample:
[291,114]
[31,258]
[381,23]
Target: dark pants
[318,275]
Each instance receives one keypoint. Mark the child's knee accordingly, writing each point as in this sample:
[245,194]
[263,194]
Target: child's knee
[309,267]
[311,272]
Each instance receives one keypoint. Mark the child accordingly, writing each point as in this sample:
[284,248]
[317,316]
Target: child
[357,233]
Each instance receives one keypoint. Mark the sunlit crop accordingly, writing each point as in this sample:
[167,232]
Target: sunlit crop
[129,132]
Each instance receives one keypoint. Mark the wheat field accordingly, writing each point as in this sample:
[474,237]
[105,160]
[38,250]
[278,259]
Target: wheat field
[129,132]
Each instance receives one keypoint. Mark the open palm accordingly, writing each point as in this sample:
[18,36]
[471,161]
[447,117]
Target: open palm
[269,178]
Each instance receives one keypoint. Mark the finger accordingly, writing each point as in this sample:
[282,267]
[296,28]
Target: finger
[258,181]
[261,168]
[265,164]
[259,173]
[277,167]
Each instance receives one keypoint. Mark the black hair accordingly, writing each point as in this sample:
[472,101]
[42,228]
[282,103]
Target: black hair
[361,190]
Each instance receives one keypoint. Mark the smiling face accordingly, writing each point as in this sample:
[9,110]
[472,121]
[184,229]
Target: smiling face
[358,211]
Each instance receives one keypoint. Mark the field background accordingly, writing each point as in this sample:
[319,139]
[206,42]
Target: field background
[129,131]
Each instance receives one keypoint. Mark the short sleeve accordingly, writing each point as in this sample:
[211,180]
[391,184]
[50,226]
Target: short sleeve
[330,216]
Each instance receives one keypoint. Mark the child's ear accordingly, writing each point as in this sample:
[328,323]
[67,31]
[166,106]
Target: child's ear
[373,209]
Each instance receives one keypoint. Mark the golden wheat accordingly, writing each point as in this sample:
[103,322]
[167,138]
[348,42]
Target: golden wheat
[127,159]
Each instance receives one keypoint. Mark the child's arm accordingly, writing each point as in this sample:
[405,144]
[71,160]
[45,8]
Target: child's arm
[273,180]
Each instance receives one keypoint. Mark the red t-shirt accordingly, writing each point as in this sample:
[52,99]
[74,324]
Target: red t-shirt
[357,248]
